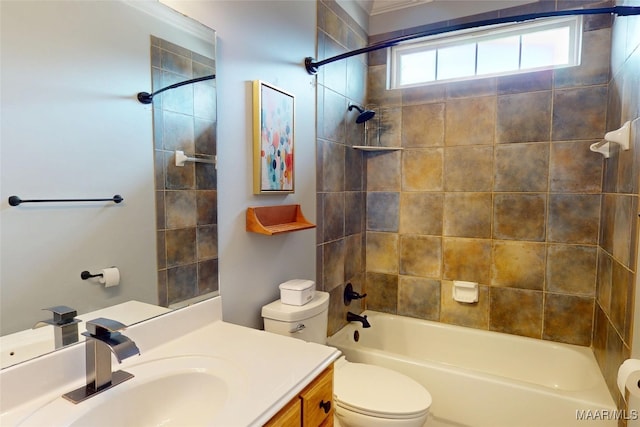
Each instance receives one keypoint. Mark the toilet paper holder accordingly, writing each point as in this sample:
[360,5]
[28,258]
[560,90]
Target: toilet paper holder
[107,276]
[87,275]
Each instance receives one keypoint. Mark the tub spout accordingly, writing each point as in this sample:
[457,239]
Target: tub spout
[352,317]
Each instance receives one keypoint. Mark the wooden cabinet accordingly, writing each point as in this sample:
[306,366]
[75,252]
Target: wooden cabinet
[313,407]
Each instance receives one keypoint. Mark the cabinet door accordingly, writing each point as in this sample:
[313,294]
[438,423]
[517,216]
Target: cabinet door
[317,400]
[289,416]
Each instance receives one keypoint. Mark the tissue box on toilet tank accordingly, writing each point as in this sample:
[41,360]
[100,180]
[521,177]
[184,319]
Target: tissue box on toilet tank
[297,291]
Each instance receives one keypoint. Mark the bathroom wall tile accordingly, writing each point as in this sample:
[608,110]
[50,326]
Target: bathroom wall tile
[353,170]
[614,358]
[519,216]
[467,259]
[181,246]
[624,218]
[420,255]
[205,136]
[382,252]
[594,63]
[599,340]
[329,21]
[470,121]
[526,320]
[422,169]
[607,221]
[158,128]
[568,319]
[467,215]
[178,101]
[382,292]
[178,132]
[518,265]
[526,82]
[574,168]
[207,202]
[587,122]
[161,250]
[204,101]
[377,92]
[182,283]
[474,315]
[571,269]
[421,213]
[469,88]
[337,310]
[354,212]
[574,218]
[468,168]
[383,171]
[160,212]
[353,256]
[418,297]
[414,131]
[355,132]
[524,117]
[620,303]
[383,211]
[603,280]
[334,114]
[335,73]
[208,276]
[389,127]
[356,79]
[206,176]
[424,94]
[180,209]
[175,58]
[333,214]
[162,288]
[332,164]
[333,260]
[207,242]
[522,167]
[178,178]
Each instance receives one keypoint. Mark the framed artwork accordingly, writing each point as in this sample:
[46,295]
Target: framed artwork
[273,139]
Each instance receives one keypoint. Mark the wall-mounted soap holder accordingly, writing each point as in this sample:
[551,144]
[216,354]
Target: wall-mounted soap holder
[620,136]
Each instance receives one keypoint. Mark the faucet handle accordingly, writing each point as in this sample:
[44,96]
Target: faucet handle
[101,327]
[62,314]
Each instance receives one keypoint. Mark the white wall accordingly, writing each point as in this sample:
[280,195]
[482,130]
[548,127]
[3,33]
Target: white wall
[72,128]
[259,40]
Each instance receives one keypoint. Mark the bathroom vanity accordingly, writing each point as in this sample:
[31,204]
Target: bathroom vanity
[193,366]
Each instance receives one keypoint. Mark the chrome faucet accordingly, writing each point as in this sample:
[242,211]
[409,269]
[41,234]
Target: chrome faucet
[352,317]
[65,325]
[103,339]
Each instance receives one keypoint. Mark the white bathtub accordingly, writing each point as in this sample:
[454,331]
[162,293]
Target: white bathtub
[486,379]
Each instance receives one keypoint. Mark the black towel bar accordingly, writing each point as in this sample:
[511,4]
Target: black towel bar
[15,200]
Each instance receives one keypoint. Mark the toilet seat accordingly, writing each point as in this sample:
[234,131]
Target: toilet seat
[379,392]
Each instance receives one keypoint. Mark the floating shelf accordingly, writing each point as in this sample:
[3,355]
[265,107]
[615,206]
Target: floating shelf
[374,148]
[272,220]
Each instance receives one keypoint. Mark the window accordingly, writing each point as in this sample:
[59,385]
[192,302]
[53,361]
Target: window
[500,50]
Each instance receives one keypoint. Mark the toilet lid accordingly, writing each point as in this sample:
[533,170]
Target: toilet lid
[379,392]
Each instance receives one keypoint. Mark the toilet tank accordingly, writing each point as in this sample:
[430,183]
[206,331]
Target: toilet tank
[307,322]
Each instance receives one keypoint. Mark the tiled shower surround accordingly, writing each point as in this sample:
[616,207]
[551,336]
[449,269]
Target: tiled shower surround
[495,184]
[186,197]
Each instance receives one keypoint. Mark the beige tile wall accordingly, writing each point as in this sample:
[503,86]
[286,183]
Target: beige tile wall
[618,240]
[496,185]
[186,197]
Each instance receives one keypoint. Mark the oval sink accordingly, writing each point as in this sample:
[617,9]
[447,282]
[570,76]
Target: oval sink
[177,391]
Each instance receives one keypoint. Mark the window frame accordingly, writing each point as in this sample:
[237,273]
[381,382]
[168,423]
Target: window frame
[475,36]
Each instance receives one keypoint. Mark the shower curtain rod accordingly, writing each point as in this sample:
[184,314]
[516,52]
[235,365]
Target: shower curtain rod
[312,66]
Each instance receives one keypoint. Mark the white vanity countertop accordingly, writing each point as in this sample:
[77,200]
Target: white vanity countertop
[277,368]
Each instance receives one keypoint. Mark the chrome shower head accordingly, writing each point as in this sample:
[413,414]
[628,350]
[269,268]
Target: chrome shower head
[364,114]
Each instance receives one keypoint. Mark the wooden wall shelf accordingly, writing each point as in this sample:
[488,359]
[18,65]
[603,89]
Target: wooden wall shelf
[272,220]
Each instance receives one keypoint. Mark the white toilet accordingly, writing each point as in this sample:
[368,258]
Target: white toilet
[364,395]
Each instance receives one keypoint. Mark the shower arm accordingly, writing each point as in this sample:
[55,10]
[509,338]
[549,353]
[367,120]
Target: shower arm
[147,98]
[312,66]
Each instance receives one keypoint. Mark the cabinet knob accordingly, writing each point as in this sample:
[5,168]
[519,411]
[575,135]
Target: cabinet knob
[326,406]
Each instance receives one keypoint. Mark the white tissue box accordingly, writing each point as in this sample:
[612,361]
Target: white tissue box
[297,291]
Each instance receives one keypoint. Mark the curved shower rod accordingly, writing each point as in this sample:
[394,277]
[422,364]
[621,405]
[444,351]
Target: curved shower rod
[312,65]
[147,98]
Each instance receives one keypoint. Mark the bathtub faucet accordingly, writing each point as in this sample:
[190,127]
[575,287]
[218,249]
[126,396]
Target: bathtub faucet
[352,317]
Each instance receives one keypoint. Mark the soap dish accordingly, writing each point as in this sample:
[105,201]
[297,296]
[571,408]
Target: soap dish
[466,292]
